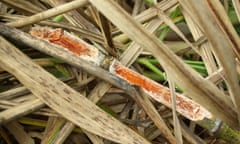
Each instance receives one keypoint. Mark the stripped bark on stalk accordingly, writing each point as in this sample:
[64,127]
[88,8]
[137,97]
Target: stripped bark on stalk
[185,106]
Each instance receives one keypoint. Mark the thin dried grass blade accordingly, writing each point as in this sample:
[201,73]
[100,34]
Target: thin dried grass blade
[75,18]
[205,48]
[168,21]
[48,13]
[107,35]
[236,4]
[176,123]
[19,133]
[23,5]
[226,26]
[147,105]
[221,35]
[20,110]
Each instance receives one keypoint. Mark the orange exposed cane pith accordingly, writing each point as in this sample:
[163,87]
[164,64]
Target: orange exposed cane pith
[185,106]
[59,38]
[75,45]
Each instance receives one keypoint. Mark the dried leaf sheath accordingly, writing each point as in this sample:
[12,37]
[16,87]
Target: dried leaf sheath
[75,45]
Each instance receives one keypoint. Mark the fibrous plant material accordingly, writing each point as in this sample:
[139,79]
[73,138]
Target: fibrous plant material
[69,42]
[138,114]
[224,43]
[46,14]
[200,90]
[185,106]
[63,99]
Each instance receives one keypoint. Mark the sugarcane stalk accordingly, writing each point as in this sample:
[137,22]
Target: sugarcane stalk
[75,45]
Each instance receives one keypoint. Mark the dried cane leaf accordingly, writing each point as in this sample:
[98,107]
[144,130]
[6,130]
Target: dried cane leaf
[176,123]
[223,40]
[192,83]
[20,110]
[23,5]
[63,99]
[48,13]
[236,5]
[19,133]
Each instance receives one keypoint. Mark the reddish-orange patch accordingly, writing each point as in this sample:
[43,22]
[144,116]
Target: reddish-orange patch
[59,38]
[136,79]
[151,86]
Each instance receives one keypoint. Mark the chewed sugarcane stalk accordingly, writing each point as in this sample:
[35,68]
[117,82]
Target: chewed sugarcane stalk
[184,105]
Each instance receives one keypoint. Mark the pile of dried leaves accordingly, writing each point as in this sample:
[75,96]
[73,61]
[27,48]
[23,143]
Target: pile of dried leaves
[66,85]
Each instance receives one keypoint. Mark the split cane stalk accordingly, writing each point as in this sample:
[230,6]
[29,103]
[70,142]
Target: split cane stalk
[72,44]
